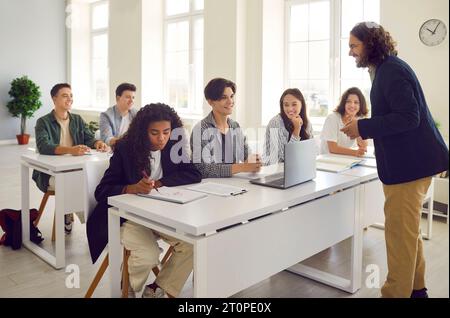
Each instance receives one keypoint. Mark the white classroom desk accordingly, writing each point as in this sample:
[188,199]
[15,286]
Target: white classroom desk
[372,195]
[292,225]
[69,196]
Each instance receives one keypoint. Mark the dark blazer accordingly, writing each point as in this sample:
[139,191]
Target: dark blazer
[122,172]
[408,145]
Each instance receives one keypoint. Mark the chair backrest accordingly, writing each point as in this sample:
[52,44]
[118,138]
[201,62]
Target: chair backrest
[93,173]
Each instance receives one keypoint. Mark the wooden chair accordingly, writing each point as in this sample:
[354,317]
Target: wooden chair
[125,275]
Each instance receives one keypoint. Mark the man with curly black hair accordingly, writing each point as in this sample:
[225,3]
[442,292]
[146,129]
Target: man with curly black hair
[409,150]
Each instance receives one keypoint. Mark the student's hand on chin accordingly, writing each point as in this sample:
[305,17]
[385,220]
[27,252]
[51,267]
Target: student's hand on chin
[297,121]
[348,118]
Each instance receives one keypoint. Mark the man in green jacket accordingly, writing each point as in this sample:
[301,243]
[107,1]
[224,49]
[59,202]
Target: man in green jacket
[61,133]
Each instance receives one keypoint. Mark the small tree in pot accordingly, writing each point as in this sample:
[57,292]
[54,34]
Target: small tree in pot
[25,102]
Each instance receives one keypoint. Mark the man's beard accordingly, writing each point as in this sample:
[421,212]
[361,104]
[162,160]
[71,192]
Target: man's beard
[362,63]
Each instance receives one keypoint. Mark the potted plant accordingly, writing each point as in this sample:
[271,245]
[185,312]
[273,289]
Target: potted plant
[25,102]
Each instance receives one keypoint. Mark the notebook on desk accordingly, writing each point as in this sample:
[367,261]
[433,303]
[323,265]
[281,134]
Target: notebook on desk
[222,190]
[336,163]
[371,163]
[174,195]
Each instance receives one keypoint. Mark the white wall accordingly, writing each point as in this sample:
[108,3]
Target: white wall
[125,45]
[273,58]
[220,43]
[241,38]
[403,18]
[152,51]
[32,41]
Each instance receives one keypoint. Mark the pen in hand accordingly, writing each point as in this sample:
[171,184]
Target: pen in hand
[148,178]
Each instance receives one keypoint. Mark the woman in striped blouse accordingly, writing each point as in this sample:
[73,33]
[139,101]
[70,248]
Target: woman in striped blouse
[290,125]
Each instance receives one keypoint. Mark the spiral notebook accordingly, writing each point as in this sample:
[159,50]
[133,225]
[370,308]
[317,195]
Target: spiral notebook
[174,195]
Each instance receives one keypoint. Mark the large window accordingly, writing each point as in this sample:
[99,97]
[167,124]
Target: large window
[99,55]
[317,51]
[88,47]
[183,73]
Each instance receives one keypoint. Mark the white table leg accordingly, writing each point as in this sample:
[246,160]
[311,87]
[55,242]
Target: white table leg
[25,184]
[430,200]
[115,253]
[200,262]
[60,212]
[36,249]
[357,243]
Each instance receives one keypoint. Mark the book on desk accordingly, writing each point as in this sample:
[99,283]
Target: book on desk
[174,195]
[222,190]
[336,163]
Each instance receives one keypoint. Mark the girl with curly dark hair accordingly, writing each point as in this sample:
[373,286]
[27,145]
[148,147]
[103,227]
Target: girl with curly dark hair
[145,159]
[408,148]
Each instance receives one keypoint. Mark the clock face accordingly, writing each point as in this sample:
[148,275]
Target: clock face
[433,32]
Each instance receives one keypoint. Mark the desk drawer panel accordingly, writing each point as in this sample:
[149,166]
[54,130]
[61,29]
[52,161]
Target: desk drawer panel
[73,189]
[373,203]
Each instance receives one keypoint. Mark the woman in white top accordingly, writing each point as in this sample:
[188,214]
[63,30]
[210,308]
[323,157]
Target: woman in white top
[290,125]
[352,106]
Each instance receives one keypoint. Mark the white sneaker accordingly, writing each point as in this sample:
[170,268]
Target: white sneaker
[150,293]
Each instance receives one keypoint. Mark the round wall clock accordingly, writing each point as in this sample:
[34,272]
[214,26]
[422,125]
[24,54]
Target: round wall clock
[433,32]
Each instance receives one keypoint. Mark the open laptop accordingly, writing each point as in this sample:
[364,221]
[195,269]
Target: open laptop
[299,166]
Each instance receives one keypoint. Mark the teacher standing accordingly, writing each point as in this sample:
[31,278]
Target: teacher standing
[409,151]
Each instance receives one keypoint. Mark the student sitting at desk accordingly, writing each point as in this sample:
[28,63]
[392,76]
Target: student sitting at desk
[290,125]
[61,132]
[143,161]
[352,106]
[114,122]
[219,147]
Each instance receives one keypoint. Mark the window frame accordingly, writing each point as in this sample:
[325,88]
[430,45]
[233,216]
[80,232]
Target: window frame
[335,58]
[92,34]
[191,17]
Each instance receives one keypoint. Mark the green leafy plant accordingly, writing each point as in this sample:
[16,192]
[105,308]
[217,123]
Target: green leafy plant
[93,126]
[25,100]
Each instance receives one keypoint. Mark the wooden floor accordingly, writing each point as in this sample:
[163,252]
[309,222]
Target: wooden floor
[22,274]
